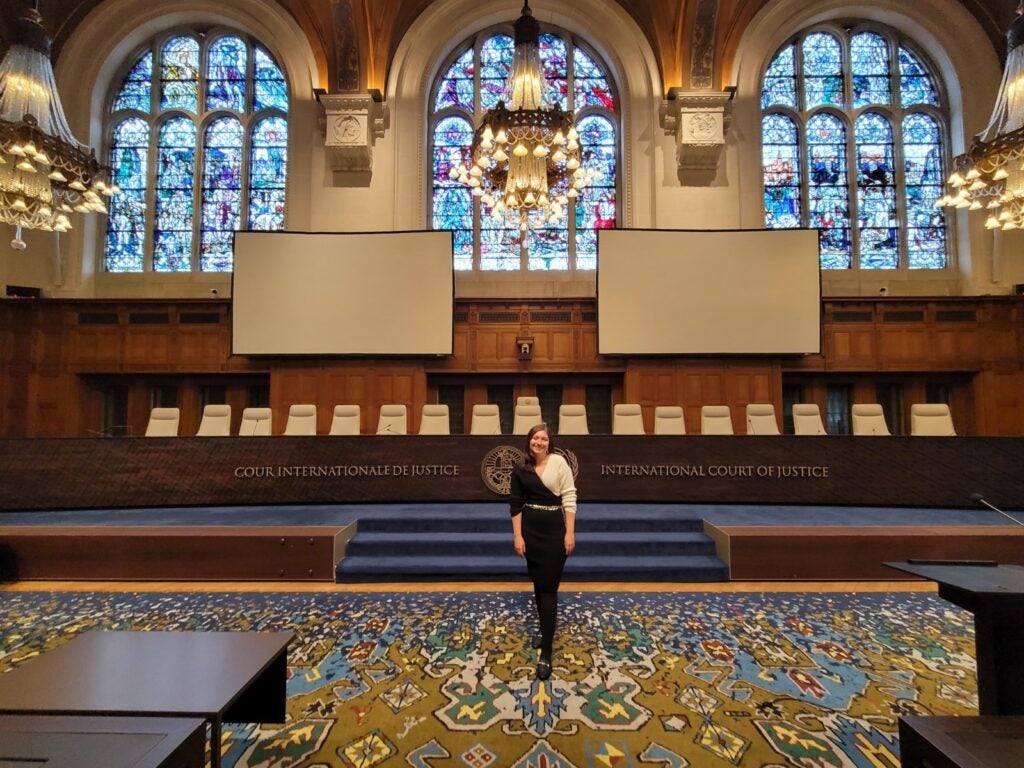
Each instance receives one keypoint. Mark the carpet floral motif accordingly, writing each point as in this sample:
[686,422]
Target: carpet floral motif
[662,679]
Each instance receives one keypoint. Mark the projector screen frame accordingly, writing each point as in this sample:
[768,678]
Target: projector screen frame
[357,354]
[708,355]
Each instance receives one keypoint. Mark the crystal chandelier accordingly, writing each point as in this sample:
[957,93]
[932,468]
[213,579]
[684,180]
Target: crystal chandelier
[45,173]
[526,153]
[990,174]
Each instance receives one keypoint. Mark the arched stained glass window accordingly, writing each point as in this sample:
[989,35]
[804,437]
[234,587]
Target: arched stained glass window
[198,142]
[853,144]
[474,82]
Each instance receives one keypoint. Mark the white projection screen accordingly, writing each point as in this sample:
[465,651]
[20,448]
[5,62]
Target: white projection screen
[381,293]
[671,292]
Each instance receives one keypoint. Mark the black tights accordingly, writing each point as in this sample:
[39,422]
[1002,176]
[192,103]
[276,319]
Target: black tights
[547,610]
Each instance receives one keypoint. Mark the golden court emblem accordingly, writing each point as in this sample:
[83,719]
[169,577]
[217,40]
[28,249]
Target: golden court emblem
[497,464]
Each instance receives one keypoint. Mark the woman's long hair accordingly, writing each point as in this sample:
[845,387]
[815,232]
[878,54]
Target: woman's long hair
[531,462]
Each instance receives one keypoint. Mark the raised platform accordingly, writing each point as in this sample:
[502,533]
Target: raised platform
[464,542]
[171,553]
[853,552]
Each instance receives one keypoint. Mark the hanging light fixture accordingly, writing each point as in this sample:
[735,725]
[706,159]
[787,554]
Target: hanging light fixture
[526,153]
[45,173]
[990,175]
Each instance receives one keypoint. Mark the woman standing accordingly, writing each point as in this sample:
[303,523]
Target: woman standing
[543,508]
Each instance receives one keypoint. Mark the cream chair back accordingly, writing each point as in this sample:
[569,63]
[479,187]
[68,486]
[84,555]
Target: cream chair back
[715,420]
[669,420]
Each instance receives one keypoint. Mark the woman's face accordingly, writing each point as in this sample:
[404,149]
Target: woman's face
[539,443]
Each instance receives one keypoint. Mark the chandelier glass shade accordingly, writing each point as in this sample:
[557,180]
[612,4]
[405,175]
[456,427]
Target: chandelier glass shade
[45,173]
[526,158]
[990,175]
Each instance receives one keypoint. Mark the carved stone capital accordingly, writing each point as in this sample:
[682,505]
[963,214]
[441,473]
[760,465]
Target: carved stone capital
[699,121]
[350,123]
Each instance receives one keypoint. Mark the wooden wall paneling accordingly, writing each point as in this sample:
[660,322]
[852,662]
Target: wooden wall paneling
[53,404]
[95,348]
[999,403]
[149,349]
[903,346]
[201,347]
[15,401]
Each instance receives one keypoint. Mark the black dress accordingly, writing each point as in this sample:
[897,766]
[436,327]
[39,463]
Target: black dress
[543,528]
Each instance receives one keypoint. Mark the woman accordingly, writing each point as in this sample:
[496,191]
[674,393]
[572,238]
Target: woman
[543,508]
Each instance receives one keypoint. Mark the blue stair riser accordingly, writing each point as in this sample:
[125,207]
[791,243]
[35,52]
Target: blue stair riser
[360,547]
[502,524]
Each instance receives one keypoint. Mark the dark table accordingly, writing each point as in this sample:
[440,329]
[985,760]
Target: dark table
[33,741]
[961,742]
[995,595]
[235,677]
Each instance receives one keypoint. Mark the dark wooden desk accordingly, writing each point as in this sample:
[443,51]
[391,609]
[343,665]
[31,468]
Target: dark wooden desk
[33,741]
[235,677]
[995,595]
[79,473]
[961,742]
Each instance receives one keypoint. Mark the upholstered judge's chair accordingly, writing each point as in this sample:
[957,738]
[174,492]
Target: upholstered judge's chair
[256,422]
[528,400]
[628,419]
[434,420]
[869,419]
[761,419]
[486,420]
[346,420]
[669,420]
[572,420]
[393,420]
[715,420]
[807,419]
[216,421]
[163,422]
[301,420]
[931,420]
[527,417]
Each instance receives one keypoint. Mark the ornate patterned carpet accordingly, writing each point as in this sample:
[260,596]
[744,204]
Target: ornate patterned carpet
[662,679]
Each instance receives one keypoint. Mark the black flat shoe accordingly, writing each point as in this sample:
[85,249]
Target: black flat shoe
[536,641]
[543,670]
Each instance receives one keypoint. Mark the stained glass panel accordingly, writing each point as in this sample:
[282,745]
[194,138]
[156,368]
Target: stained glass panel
[173,211]
[876,193]
[225,74]
[456,88]
[779,85]
[269,88]
[222,193]
[869,60]
[549,249]
[179,74]
[780,158]
[499,246]
[896,223]
[268,173]
[590,86]
[916,86]
[126,220]
[823,71]
[495,64]
[556,72]
[926,224]
[136,89]
[828,196]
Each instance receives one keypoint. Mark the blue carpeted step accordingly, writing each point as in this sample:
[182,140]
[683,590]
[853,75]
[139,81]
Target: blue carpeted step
[578,568]
[631,543]
[628,520]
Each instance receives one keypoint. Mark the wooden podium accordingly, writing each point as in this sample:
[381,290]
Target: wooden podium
[995,595]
